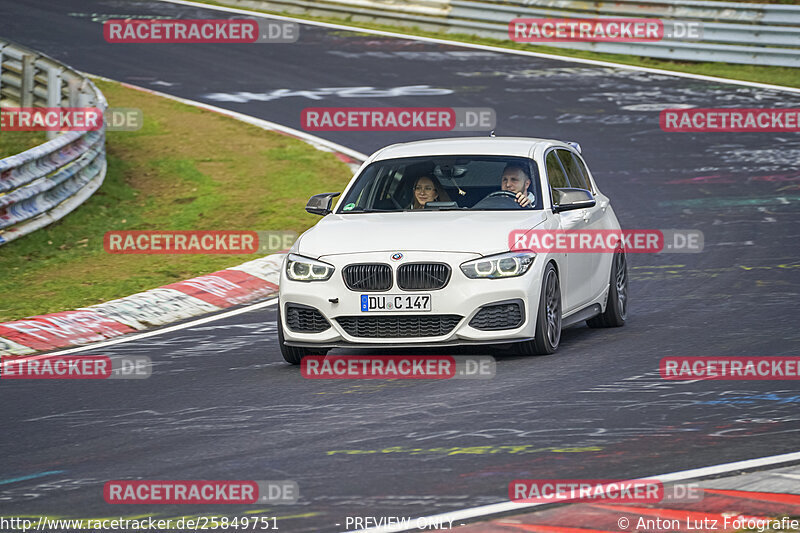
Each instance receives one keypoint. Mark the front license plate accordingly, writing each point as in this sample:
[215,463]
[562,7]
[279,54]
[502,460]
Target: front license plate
[395,302]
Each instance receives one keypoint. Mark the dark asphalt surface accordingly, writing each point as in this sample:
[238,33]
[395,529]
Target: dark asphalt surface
[221,403]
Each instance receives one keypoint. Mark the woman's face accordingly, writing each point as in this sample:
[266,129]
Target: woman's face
[424,191]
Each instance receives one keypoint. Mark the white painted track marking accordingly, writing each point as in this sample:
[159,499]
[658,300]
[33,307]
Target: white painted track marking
[486,510]
[168,329]
[483,46]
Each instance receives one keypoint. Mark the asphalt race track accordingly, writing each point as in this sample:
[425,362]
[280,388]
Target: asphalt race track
[222,404]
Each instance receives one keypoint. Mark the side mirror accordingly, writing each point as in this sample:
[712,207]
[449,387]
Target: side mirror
[567,199]
[320,204]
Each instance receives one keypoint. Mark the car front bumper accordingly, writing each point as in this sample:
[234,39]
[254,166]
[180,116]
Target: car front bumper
[461,297]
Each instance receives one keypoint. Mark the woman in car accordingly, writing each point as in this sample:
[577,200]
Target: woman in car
[427,189]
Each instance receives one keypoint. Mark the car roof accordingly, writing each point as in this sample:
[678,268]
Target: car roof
[510,146]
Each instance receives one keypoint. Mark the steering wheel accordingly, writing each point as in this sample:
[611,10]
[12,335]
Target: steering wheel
[498,200]
[508,194]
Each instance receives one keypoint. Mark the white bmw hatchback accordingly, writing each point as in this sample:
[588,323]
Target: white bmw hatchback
[416,253]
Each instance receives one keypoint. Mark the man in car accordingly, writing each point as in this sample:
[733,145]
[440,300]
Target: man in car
[515,179]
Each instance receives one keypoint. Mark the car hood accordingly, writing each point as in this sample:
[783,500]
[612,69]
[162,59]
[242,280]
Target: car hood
[483,232]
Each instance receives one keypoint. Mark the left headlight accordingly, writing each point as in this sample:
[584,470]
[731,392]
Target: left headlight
[299,268]
[507,265]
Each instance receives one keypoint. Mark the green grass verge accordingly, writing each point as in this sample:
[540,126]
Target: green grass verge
[186,169]
[14,142]
[785,76]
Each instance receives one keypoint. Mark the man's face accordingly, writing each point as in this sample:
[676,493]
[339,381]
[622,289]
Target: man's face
[514,180]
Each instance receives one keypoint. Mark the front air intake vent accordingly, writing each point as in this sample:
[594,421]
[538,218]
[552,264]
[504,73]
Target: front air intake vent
[405,326]
[305,319]
[505,315]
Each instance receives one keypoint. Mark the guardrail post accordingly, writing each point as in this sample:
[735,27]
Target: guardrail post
[53,92]
[84,95]
[26,89]
[73,86]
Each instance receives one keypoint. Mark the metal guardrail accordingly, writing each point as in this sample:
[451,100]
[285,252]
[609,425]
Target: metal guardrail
[45,183]
[732,32]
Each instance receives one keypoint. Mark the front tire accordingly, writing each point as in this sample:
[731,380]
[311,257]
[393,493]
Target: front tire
[294,354]
[617,307]
[547,335]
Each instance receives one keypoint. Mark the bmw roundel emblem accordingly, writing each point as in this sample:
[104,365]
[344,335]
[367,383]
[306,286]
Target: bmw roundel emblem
[397,256]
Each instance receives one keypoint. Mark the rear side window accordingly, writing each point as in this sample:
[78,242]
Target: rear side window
[555,174]
[576,172]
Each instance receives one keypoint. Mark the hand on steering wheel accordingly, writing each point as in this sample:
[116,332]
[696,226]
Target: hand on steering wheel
[503,193]
[519,197]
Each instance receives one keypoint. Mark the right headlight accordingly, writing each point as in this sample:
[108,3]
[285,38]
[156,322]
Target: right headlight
[299,268]
[506,265]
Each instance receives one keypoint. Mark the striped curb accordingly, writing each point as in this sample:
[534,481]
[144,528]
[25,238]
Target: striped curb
[237,285]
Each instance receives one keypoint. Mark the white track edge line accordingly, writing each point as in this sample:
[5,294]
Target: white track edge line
[486,47]
[254,121]
[486,510]
[143,335]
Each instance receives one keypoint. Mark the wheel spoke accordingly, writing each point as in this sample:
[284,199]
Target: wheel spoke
[552,299]
[621,282]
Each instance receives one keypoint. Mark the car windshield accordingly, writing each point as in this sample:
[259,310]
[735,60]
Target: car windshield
[443,183]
